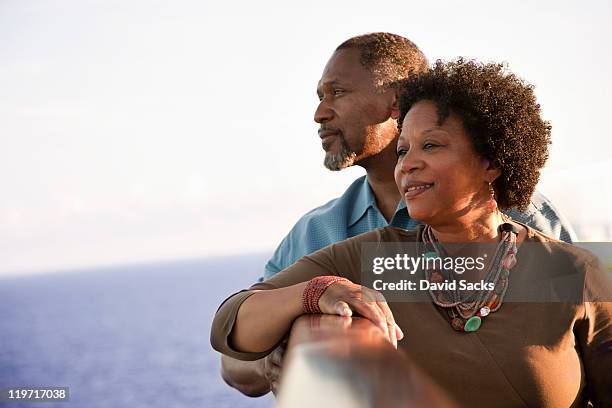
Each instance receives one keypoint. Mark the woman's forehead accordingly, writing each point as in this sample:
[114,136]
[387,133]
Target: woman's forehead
[424,117]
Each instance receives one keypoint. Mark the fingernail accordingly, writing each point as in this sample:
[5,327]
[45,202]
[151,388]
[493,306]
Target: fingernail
[400,330]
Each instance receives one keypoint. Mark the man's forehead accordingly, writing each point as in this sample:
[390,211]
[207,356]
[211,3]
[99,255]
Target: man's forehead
[344,66]
[336,81]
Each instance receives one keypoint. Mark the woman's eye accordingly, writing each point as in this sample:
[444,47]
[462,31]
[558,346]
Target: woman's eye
[428,146]
[401,152]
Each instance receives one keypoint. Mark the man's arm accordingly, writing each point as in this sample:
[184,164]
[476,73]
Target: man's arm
[245,376]
[251,377]
[254,378]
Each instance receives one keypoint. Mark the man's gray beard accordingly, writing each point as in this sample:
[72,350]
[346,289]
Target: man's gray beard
[341,160]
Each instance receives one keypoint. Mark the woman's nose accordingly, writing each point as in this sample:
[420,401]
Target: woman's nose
[409,162]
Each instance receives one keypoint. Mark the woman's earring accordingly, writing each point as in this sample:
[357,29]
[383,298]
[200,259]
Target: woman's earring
[492,202]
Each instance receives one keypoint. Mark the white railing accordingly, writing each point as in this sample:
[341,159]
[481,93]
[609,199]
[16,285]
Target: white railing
[339,362]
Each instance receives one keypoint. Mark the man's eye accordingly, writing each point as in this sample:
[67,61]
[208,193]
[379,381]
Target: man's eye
[338,92]
[428,146]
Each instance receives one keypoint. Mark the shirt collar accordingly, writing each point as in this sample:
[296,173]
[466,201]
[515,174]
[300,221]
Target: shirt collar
[401,205]
[364,199]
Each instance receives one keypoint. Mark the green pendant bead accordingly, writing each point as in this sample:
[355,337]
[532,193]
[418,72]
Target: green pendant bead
[430,254]
[472,324]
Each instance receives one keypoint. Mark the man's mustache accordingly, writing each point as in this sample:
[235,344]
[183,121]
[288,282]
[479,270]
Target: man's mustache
[326,130]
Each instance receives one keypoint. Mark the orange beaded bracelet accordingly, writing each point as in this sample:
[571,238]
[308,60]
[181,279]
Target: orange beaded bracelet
[314,290]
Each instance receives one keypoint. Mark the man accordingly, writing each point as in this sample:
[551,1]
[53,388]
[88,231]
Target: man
[357,113]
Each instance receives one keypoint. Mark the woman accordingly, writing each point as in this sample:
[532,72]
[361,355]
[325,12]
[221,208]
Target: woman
[471,141]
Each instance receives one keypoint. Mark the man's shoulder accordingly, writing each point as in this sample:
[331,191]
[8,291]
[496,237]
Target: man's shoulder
[316,229]
[334,210]
[542,215]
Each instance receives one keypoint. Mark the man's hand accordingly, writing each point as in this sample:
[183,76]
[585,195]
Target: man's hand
[254,378]
[272,366]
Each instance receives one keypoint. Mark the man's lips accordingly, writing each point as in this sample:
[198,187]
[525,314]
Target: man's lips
[327,133]
[327,137]
[415,188]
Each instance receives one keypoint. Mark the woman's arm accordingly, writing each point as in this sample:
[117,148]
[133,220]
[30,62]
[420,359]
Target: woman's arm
[265,317]
[250,323]
[594,333]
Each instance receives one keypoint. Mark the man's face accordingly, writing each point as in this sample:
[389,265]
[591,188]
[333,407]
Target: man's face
[354,114]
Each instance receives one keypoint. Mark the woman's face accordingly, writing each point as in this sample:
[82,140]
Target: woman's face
[438,171]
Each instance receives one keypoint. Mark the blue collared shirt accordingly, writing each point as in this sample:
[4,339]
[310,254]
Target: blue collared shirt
[355,212]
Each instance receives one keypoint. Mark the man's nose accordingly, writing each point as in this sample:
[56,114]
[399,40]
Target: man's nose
[323,113]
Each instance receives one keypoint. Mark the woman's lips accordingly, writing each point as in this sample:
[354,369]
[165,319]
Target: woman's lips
[417,190]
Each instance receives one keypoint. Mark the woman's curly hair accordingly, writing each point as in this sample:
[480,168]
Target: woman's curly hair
[499,112]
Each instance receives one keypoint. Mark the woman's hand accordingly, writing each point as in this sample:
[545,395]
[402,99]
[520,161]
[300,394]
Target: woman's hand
[343,298]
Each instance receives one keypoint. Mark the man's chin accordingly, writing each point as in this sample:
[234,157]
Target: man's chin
[339,161]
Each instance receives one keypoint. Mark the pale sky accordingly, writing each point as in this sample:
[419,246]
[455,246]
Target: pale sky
[139,130]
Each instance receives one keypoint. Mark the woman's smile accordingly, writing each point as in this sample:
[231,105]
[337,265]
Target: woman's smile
[414,189]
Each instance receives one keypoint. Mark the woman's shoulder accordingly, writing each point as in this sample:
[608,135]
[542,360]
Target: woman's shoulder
[401,234]
[384,234]
[374,240]
[560,259]
[558,247]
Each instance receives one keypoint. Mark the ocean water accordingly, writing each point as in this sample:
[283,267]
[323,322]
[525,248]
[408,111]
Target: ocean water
[134,336]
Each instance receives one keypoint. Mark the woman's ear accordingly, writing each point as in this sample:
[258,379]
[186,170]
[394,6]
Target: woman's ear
[491,172]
